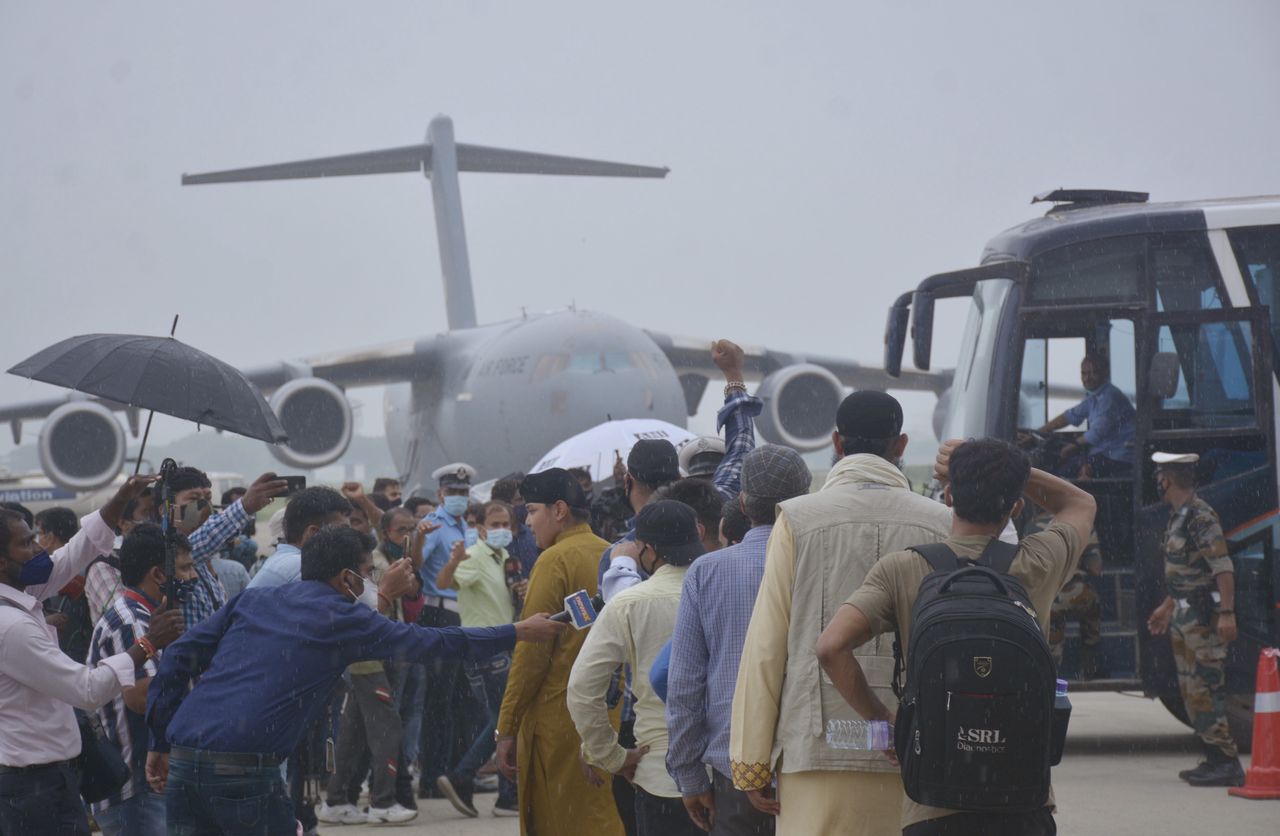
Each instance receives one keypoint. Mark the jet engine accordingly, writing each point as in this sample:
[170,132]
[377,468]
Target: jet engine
[800,406]
[81,446]
[317,416]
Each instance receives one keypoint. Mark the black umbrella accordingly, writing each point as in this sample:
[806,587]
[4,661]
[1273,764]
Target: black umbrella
[159,374]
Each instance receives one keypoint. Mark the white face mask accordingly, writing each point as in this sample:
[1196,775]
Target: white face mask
[499,538]
[370,596]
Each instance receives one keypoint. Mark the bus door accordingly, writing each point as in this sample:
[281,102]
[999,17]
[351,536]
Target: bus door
[1055,342]
[1205,378]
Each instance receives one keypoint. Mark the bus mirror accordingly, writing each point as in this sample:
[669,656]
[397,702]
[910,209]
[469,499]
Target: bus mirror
[895,339]
[1162,381]
[922,328]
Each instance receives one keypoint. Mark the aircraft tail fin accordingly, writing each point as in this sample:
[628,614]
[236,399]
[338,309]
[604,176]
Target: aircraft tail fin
[440,159]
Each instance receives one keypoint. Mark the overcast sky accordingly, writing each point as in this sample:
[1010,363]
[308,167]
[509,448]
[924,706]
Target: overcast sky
[824,156]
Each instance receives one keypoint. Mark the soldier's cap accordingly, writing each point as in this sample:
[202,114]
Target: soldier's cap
[869,414]
[1162,458]
[456,475]
[772,471]
[554,485]
[654,461]
[671,527]
[701,456]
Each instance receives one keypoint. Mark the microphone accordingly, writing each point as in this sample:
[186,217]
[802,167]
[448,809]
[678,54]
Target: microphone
[580,610]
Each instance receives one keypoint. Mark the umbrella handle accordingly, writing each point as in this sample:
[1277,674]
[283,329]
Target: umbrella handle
[150,414]
[173,329]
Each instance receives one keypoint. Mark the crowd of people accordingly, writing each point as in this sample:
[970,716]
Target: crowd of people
[400,647]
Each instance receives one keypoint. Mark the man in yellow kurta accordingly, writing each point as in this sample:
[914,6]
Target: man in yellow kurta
[537,743]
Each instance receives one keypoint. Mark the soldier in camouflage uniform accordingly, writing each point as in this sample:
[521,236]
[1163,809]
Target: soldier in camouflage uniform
[1077,599]
[1200,624]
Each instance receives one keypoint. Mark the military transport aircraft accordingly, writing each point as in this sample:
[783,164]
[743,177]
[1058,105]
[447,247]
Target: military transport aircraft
[497,396]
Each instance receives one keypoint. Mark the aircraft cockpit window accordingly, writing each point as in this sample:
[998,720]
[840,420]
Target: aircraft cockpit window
[1101,270]
[1257,250]
[602,361]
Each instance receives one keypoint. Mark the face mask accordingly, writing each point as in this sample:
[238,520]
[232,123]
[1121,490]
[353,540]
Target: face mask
[37,570]
[471,537]
[369,597]
[456,506]
[522,514]
[499,538]
[395,551]
[186,590]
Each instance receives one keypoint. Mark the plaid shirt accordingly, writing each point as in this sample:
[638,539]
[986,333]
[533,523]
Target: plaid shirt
[207,594]
[711,627]
[120,626]
[735,419]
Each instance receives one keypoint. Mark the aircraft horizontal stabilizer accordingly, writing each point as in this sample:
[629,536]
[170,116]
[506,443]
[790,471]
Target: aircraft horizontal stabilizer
[387,161]
[504,161]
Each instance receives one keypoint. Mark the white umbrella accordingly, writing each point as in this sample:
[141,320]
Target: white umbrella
[597,448]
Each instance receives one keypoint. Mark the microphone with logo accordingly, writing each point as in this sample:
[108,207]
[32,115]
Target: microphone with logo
[580,610]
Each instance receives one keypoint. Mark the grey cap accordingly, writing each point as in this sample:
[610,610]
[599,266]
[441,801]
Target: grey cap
[772,471]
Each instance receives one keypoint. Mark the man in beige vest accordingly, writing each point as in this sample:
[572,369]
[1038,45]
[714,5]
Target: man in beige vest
[821,548]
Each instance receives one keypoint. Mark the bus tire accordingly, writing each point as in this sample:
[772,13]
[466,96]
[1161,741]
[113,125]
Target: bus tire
[1239,717]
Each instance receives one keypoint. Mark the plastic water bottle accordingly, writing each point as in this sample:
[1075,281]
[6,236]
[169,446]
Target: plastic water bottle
[864,735]
[1061,717]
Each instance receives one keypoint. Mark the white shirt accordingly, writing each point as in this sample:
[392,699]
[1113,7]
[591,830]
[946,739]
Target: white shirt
[632,629]
[38,683]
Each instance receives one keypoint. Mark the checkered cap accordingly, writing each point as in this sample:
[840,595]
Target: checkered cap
[772,471]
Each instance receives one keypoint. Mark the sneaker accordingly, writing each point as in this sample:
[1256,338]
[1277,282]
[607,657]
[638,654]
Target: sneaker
[486,783]
[340,814]
[1225,773]
[459,791]
[395,814]
[503,811]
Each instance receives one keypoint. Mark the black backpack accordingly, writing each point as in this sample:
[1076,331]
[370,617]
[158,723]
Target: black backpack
[975,720]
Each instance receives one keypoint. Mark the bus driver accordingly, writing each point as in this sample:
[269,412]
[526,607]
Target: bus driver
[1106,448]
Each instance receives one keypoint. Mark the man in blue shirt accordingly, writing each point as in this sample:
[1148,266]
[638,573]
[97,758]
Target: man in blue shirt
[267,663]
[444,739]
[1106,448]
[308,511]
[716,601]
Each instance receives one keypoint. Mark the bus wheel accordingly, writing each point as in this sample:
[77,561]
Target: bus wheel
[1176,708]
[1239,717]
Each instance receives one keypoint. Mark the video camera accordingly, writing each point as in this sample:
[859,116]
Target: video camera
[164,503]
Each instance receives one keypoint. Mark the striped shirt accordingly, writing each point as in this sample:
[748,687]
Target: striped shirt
[128,617]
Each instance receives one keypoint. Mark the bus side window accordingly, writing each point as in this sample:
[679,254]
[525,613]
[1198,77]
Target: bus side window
[1215,380]
[1257,250]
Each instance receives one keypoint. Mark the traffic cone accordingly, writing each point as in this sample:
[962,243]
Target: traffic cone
[1263,777]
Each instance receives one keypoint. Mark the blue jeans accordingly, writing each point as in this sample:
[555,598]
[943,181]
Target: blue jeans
[204,798]
[141,815]
[488,681]
[411,691]
[42,800]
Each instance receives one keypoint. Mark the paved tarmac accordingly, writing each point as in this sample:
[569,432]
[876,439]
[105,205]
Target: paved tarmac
[1119,778]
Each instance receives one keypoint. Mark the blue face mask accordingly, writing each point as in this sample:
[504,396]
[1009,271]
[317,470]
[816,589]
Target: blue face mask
[499,538]
[37,570]
[395,551]
[472,537]
[456,506]
[522,514]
